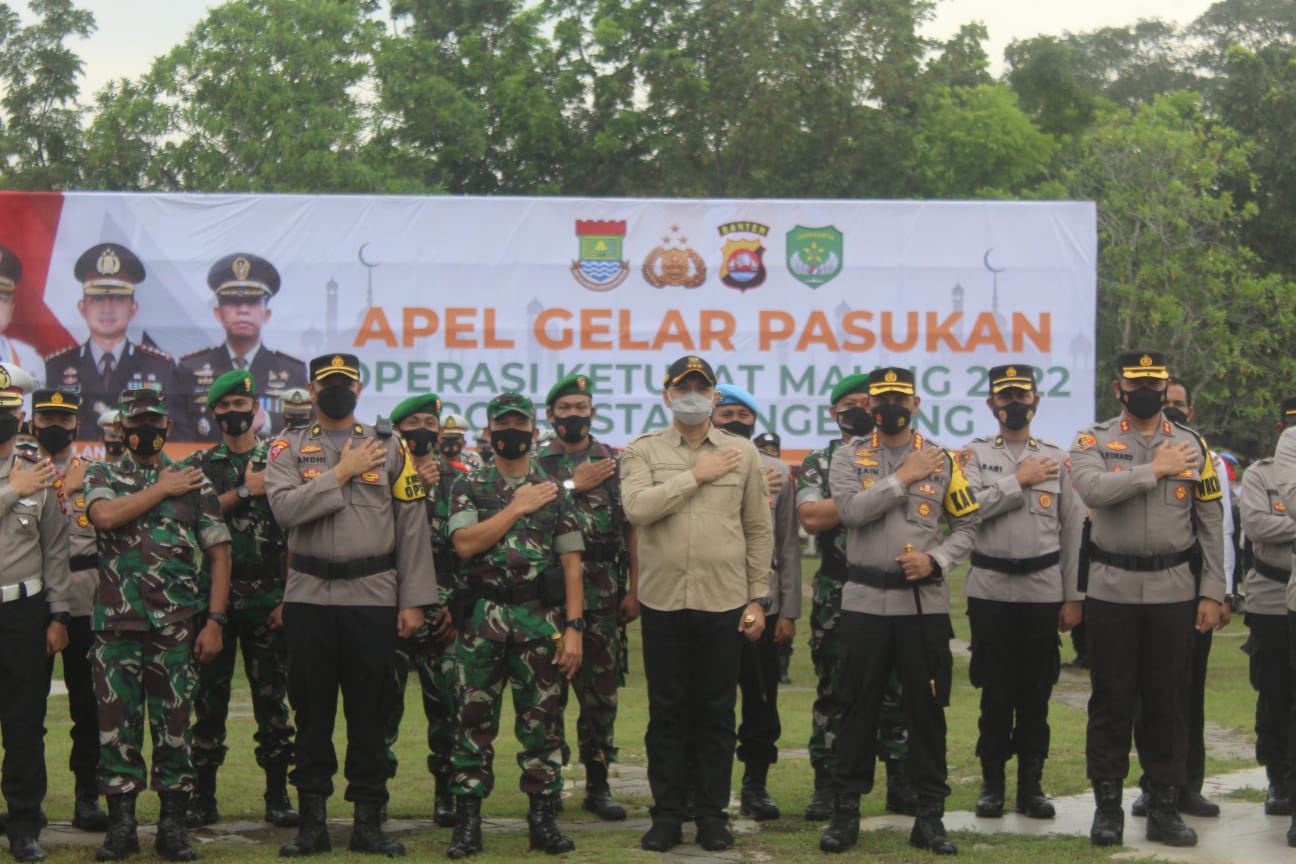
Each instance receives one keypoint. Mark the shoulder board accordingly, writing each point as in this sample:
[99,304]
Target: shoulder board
[1105,424]
[1044,442]
[1266,461]
[984,439]
[198,353]
[151,351]
[383,427]
[68,350]
[656,433]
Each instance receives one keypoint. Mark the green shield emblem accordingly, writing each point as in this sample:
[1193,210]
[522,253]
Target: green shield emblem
[814,255]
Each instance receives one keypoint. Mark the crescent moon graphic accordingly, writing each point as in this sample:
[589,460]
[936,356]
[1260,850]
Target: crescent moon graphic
[984,258]
[360,255]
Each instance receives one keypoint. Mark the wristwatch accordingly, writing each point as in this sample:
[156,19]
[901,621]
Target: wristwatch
[576,624]
[63,618]
[219,617]
[569,484]
[243,492]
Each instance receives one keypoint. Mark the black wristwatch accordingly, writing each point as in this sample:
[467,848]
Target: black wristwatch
[576,624]
[243,493]
[63,618]
[219,617]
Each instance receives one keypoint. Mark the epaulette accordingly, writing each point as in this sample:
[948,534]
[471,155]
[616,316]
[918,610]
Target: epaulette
[57,354]
[151,351]
[383,427]
[193,354]
[984,439]
[1268,460]
[651,434]
[1105,424]
[1201,442]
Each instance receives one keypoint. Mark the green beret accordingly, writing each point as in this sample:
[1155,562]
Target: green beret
[423,403]
[573,385]
[510,402]
[238,382]
[857,383]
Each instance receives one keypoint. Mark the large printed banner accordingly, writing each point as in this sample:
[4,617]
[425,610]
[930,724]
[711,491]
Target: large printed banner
[466,297]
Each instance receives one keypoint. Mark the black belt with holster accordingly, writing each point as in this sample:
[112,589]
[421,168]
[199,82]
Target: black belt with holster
[510,595]
[1139,563]
[600,553]
[1016,566]
[83,562]
[356,568]
[876,577]
[1269,571]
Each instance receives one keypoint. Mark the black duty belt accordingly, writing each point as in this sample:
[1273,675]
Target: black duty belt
[83,562]
[354,569]
[1016,566]
[511,595]
[1139,563]
[876,577]
[1269,571]
[600,553]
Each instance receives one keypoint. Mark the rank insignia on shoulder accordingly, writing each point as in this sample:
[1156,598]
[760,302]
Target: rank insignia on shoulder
[82,521]
[1167,427]
[1084,441]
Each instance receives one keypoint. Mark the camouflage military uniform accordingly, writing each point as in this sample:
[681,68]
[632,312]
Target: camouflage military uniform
[145,617]
[256,588]
[504,641]
[825,650]
[602,565]
[435,663]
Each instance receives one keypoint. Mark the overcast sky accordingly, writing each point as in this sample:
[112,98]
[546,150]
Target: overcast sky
[132,32]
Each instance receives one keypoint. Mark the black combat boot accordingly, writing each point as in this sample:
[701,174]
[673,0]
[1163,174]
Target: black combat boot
[312,830]
[1163,822]
[990,803]
[278,806]
[900,797]
[23,834]
[756,800]
[467,839]
[1108,827]
[1031,799]
[542,828]
[87,815]
[1277,800]
[367,835]
[172,841]
[929,831]
[202,805]
[1192,802]
[843,830]
[443,805]
[785,661]
[821,802]
[1291,796]
[122,838]
[598,794]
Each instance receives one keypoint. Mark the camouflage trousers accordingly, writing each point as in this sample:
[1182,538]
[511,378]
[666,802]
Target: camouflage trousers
[596,689]
[138,672]
[483,668]
[265,662]
[435,665]
[826,654]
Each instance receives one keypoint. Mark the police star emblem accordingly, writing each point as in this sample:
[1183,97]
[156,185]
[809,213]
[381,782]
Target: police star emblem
[814,255]
[669,264]
[108,264]
[600,266]
[241,267]
[742,264]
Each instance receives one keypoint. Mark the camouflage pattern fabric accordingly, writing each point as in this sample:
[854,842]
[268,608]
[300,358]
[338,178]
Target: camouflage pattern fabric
[265,662]
[137,673]
[595,684]
[149,569]
[825,650]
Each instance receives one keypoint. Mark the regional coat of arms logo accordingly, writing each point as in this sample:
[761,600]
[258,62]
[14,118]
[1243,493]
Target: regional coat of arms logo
[674,265]
[814,255]
[600,266]
[743,263]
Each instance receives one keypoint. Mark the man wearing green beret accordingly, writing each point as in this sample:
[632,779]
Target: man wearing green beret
[236,469]
[819,517]
[587,469]
[431,649]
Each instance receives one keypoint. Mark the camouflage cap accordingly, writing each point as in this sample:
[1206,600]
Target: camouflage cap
[573,385]
[506,403]
[857,383]
[138,401]
[239,382]
[424,403]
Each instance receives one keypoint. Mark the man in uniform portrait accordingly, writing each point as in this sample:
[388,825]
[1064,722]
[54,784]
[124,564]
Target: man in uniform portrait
[13,350]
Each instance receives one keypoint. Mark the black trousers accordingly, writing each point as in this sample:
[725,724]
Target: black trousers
[758,678]
[24,688]
[1015,662]
[1140,657]
[1195,716]
[691,663]
[1268,647]
[351,648]
[82,706]
[917,647]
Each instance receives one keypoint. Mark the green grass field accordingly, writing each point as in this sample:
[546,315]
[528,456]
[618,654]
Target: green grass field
[1230,705]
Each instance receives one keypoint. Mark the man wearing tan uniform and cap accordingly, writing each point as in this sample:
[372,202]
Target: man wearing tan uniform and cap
[1153,494]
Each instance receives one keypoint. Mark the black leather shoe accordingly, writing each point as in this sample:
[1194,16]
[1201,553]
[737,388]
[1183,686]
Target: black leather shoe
[1192,803]
[1031,799]
[820,806]
[1108,827]
[87,815]
[278,806]
[172,841]
[201,809]
[443,803]
[543,830]
[22,842]
[122,838]
[598,794]
[661,837]
[1277,803]
[843,830]
[1163,822]
[367,835]
[713,835]
[990,802]
[929,831]
[757,803]
[467,837]
[312,830]
[1140,806]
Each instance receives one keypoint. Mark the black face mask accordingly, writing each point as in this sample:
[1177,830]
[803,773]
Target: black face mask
[1143,404]
[55,439]
[855,421]
[296,422]
[572,430]
[146,440]
[420,441]
[8,427]
[235,423]
[511,443]
[114,448]
[739,428]
[892,419]
[336,403]
[451,447]
[1015,415]
[1176,415]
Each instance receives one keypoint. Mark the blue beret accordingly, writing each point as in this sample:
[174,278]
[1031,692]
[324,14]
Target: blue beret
[732,394]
